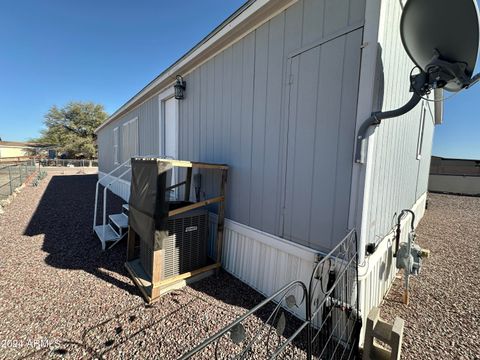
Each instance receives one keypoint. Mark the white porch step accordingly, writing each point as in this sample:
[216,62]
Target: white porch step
[115,229]
[120,220]
[108,235]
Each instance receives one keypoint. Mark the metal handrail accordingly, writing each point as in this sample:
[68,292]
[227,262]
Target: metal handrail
[116,178]
[96,191]
[105,197]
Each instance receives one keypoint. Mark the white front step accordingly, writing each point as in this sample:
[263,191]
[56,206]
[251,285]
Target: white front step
[106,233]
[116,228]
[120,220]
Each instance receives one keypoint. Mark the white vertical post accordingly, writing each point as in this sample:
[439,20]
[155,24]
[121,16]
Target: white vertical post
[10,178]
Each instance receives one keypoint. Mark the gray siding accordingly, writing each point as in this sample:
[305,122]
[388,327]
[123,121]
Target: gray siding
[321,132]
[398,177]
[148,134]
[236,111]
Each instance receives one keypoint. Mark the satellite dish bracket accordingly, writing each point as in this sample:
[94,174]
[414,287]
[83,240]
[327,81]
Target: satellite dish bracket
[418,85]
[441,71]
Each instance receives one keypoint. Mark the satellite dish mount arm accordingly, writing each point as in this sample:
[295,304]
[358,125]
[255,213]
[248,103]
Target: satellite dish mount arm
[440,72]
[419,87]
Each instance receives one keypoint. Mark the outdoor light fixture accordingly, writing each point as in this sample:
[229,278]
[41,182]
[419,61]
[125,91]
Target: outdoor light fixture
[179,87]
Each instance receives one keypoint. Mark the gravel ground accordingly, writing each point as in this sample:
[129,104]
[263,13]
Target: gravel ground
[443,317]
[61,297]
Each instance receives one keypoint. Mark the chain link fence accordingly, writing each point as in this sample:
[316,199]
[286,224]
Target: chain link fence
[14,175]
[71,163]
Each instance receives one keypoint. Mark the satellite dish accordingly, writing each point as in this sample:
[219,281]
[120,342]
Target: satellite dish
[441,37]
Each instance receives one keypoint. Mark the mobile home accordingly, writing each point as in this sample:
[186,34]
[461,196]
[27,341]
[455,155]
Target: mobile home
[278,92]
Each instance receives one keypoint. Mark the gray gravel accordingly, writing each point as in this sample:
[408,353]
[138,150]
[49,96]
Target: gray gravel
[443,317]
[61,297]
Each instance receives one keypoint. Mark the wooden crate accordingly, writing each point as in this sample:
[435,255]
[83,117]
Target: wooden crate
[152,287]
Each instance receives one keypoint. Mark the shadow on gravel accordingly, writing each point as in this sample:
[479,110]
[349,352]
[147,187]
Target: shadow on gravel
[65,215]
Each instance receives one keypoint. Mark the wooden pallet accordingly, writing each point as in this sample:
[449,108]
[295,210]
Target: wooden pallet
[153,292]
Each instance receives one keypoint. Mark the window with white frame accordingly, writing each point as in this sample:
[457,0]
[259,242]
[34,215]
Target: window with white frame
[130,139]
[421,130]
[116,155]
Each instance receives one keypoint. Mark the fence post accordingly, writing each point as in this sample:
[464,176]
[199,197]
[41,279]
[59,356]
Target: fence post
[308,315]
[10,178]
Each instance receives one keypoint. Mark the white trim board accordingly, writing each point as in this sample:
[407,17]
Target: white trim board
[162,97]
[361,173]
[270,240]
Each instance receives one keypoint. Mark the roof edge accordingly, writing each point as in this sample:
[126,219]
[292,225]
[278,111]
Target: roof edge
[455,159]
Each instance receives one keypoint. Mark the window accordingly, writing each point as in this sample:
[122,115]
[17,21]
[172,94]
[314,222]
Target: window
[116,157]
[130,139]
[421,130]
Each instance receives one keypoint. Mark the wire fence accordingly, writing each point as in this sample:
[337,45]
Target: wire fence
[15,171]
[70,163]
[329,331]
[14,175]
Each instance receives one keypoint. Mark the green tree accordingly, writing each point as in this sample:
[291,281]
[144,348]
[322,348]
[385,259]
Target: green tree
[71,128]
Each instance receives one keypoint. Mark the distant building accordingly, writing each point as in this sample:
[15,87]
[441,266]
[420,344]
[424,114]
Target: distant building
[446,166]
[16,149]
[454,176]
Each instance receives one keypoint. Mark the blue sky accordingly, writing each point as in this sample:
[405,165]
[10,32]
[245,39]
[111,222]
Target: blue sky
[459,135]
[56,51]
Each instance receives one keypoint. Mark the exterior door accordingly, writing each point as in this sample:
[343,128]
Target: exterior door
[170,138]
[171,128]
[320,138]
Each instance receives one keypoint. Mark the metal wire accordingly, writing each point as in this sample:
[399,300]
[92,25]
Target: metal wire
[332,317]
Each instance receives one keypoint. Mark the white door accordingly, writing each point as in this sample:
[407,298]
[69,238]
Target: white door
[170,138]
[171,129]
